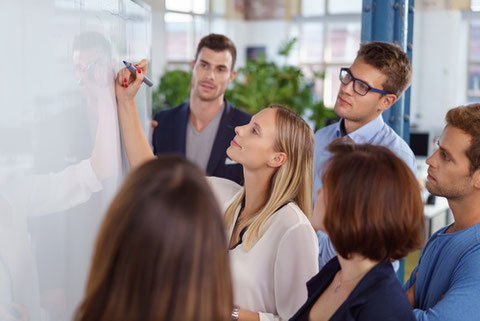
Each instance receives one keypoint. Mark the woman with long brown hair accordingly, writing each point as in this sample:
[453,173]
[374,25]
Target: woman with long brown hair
[161,253]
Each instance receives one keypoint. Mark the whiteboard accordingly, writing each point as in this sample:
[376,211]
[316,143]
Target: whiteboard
[61,158]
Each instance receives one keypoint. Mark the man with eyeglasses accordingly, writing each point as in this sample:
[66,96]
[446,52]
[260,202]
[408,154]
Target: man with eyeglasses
[379,75]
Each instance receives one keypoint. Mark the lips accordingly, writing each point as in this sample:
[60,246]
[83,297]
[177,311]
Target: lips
[207,86]
[430,177]
[343,101]
[234,143]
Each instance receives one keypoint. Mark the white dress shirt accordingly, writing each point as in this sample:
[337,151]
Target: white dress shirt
[271,277]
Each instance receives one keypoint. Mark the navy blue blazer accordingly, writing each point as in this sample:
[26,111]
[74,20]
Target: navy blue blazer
[378,296]
[170,137]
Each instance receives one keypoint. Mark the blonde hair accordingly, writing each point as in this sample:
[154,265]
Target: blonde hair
[292,182]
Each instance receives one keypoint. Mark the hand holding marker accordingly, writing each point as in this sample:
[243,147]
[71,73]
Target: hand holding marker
[130,67]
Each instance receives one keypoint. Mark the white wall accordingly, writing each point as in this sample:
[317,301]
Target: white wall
[439,67]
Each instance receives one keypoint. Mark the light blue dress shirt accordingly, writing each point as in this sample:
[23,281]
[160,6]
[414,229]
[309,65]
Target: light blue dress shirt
[376,132]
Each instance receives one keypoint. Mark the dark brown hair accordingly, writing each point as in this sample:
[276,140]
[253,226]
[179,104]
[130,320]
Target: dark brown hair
[218,43]
[161,253]
[391,61]
[372,202]
[467,118]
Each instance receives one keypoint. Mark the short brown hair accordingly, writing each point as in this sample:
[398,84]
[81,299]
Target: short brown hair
[391,61]
[372,202]
[467,118]
[161,253]
[218,43]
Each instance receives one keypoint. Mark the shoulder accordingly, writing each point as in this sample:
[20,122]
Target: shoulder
[237,115]
[327,130]
[382,296]
[167,114]
[290,215]
[224,189]
[289,223]
[397,144]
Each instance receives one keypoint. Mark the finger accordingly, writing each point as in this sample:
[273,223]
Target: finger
[125,74]
[139,78]
[154,124]
[143,65]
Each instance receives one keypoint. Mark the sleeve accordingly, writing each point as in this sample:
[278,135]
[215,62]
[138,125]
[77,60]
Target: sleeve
[385,302]
[295,264]
[411,280]
[44,194]
[223,189]
[325,249]
[460,301]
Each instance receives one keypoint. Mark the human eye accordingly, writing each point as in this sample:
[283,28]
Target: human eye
[254,131]
[362,86]
[444,155]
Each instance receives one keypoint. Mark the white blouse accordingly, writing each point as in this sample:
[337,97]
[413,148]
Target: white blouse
[271,277]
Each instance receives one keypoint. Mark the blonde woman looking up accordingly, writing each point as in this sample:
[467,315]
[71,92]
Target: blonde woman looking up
[272,246]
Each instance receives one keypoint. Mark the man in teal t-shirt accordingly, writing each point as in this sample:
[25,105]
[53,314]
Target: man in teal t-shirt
[445,285]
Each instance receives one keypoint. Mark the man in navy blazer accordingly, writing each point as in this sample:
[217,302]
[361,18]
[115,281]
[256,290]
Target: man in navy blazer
[203,128]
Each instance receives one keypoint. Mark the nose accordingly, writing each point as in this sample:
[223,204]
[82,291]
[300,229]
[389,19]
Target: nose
[431,160]
[209,74]
[239,130]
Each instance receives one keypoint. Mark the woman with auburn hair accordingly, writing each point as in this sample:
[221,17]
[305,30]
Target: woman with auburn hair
[371,209]
[272,246]
[160,254]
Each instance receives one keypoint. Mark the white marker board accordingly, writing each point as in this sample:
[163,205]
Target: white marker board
[61,159]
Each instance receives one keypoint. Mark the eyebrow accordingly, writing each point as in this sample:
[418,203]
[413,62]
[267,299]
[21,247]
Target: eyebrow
[216,66]
[443,149]
[351,73]
[257,126]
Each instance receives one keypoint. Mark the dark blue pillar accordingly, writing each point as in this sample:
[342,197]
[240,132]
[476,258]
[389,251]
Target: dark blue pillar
[392,21]
[388,20]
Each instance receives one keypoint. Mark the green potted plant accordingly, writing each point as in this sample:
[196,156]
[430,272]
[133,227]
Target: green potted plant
[261,83]
[257,85]
[174,89]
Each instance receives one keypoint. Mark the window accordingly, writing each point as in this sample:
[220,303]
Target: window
[329,39]
[186,22]
[473,89]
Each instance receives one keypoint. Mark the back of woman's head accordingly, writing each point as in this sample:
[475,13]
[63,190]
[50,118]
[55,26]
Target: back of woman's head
[161,252]
[372,202]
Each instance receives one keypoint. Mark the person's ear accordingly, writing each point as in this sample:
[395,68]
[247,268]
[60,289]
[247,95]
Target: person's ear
[193,64]
[476,179]
[387,101]
[277,160]
[233,74]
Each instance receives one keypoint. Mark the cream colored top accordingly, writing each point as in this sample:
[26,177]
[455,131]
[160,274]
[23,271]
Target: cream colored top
[271,278]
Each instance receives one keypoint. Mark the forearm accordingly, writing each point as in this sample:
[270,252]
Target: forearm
[246,315]
[136,144]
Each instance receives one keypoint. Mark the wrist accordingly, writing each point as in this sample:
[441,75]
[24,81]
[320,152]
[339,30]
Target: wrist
[235,312]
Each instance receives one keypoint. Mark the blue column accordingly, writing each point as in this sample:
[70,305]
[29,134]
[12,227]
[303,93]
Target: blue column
[387,20]
[392,21]
[406,109]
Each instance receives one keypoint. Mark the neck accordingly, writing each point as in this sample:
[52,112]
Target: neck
[353,125]
[355,268]
[257,186]
[203,111]
[466,212]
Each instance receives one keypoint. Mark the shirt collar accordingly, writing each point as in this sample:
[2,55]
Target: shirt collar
[365,133]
